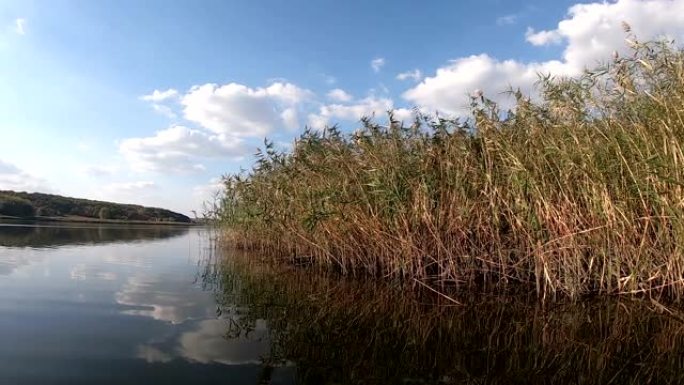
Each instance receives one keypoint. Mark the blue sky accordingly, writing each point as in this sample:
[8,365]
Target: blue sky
[150,101]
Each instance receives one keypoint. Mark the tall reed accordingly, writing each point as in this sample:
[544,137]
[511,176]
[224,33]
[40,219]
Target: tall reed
[576,191]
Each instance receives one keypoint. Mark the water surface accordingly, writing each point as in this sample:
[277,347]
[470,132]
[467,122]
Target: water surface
[103,304]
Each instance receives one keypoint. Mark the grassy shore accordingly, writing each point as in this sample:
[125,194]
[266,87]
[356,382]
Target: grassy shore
[577,191]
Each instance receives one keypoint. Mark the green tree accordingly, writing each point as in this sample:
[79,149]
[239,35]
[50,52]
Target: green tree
[16,207]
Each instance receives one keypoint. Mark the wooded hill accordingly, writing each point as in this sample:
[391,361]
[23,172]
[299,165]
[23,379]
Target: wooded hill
[37,205]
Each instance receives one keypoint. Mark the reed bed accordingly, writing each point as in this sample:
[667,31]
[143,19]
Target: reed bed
[575,191]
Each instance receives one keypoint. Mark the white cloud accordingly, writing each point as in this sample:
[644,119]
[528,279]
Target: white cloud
[290,118]
[237,110]
[226,115]
[20,26]
[377,64]
[12,178]
[590,33]
[178,149]
[160,96]
[543,37]
[414,75]
[448,91]
[405,115]
[164,110]
[349,112]
[339,95]
[507,19]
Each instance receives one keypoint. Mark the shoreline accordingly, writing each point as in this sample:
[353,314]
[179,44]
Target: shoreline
[97,221]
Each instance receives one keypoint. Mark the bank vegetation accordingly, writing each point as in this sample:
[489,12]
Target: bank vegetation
[577,190]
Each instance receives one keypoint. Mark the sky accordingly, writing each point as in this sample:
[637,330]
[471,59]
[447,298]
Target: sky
[151,102]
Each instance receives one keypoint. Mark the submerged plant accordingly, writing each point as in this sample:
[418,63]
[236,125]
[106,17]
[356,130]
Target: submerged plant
[578,191]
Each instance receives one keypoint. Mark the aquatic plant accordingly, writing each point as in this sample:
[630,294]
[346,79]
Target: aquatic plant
[579,190]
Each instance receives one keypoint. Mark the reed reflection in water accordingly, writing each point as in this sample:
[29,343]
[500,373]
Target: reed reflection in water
[41,235]
[337,330]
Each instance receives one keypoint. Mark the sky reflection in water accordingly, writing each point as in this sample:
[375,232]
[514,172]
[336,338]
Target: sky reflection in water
[114,305]
[97,304]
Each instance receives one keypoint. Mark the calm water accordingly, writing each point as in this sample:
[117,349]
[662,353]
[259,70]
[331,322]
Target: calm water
[156,305]
[113,305]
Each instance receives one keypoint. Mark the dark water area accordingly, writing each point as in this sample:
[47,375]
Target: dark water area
[103,304]
[53,234]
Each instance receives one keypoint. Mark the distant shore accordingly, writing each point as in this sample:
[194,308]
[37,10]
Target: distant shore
[77,219]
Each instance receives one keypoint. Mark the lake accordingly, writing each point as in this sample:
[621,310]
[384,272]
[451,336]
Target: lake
[104,304]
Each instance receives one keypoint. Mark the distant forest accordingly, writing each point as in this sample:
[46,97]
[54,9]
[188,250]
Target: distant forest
[32,205]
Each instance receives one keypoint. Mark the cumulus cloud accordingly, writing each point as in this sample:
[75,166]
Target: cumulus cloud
[158,99]
[449,89]
[377,64]
[160,96]
[414,75]
[589,32]
[13,178]
[225,116]
[350,112]
[178,149]
[339,95]
[20,26]
[542,37]
[405,115]
[237,110]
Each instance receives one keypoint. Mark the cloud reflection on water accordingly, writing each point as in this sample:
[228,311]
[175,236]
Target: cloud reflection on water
[82,272]
[205,343]
[11,261]
[165,299]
